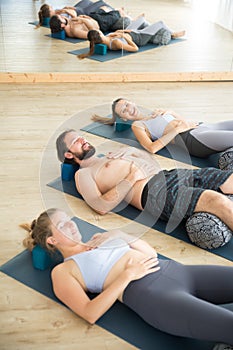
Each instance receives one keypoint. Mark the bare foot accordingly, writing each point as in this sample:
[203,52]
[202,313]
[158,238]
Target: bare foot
[178,34]
[139,16]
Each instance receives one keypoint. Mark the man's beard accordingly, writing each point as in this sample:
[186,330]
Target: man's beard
[85,153]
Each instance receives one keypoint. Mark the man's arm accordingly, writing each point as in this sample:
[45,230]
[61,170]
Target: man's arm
[102,203]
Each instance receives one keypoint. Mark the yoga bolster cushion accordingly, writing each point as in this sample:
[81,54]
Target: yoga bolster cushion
[225,161]
[207,230]
[162,37]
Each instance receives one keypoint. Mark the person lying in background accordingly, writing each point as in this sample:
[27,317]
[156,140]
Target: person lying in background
[156,130]
[109,19]
[132,37]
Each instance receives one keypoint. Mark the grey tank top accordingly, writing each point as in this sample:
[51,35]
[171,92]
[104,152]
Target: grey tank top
[157,125]
[119,39]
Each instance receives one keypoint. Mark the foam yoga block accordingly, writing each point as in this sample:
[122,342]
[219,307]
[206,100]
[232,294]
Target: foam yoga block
[68,171]
[42,260]
[225,161]
[100,49]
[207,230]
[46,21]
[59,35]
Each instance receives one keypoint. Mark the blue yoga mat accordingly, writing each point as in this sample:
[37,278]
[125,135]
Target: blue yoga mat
[117,54]
[119,320]
[35,23]
[69,40]
[127,137]
[146,219]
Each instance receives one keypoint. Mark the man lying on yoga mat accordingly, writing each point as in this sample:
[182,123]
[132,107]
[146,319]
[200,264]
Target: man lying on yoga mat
[74,27]
[132,37]
[181,300]
[135,176]
[108,18]
[161,127]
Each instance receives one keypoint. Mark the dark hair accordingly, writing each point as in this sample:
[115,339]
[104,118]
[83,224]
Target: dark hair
[109,121]
[39,230]
[55,24]
[62,148]
[94,37]
[43,13]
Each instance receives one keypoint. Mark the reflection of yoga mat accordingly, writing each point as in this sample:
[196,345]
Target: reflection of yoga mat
[70,40]
[117,54]
[127,137]
[35,23]
[119,320]
[132,213]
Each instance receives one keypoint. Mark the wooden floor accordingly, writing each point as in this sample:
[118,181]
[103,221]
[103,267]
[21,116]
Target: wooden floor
[32,114]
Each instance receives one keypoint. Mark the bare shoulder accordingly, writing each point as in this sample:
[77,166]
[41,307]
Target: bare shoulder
[138,123]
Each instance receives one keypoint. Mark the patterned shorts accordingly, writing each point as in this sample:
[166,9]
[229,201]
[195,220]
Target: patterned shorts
[177,191]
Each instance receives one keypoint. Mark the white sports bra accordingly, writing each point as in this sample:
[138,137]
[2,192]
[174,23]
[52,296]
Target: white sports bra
[95,264]
[157,125]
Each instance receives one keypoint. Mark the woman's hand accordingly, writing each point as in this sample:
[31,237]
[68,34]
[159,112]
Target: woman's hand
[99,238]
[139,269]
[158,111]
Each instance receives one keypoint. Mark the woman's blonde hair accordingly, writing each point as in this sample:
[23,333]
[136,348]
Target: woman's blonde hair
[94,37]
[108,121]
[39,230]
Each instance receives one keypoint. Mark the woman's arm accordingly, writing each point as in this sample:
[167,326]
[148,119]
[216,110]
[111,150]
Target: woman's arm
[130,46]
[145,141]
[67,288]
[69,11]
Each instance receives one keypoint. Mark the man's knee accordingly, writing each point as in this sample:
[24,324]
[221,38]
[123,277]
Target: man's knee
[227,186]
[214,202]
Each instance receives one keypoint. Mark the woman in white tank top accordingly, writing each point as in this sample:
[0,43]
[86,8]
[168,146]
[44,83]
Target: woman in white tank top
[164,293]
[160,128]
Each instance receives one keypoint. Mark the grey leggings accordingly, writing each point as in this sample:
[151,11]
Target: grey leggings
[185,300]
[218,136]
[142,36]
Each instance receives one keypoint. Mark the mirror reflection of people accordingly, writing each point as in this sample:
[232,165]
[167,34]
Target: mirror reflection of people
[108,18]
[181,300]
[131,38]
[162,127]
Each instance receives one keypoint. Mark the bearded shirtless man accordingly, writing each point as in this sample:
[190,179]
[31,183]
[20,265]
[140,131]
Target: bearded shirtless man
[135,176]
